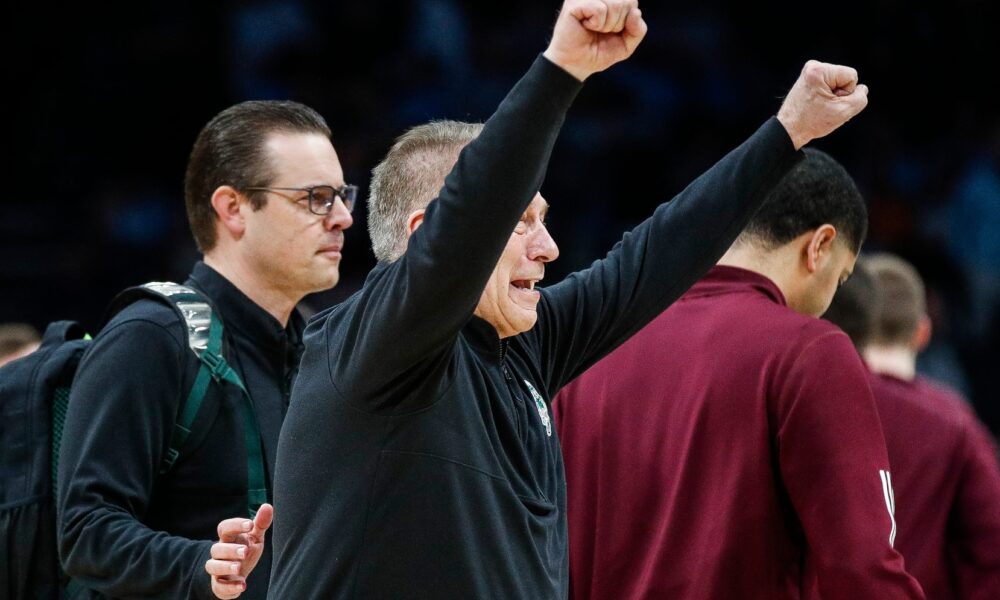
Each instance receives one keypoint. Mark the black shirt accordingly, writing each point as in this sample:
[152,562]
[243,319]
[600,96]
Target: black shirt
[418,459]
[124,530]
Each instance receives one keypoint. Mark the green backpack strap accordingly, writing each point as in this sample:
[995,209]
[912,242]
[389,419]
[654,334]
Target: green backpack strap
[204,329]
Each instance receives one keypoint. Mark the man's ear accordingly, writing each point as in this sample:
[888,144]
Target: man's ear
[416,219]
[227,202]
[922,336]
[819,246]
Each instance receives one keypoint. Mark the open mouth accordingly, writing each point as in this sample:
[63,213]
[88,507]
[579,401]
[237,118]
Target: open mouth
[523,292]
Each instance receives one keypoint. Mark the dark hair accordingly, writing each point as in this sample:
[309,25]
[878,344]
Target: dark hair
[855,306]
[818,190]
[230,150]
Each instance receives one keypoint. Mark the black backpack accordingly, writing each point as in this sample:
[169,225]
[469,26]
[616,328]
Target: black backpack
[34,397]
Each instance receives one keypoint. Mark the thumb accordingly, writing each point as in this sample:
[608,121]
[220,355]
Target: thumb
[857,100]
[839,77]
[261,522]
[593,15]
[635,29]
[853,103]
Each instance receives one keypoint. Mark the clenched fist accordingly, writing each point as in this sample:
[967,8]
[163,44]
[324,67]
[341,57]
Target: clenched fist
[592,35]
[823,98]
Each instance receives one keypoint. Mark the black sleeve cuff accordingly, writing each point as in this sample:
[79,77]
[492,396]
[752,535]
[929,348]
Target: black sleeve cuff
[562,86]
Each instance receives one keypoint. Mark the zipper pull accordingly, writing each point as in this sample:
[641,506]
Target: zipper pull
[503,361]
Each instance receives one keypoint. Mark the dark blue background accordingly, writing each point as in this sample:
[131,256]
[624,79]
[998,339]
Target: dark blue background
[105,101]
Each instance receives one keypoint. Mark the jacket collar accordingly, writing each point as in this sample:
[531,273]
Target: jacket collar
[243,315]
[483,337]
[723,279]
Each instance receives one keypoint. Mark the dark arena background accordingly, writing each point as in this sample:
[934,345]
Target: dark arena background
[105,100]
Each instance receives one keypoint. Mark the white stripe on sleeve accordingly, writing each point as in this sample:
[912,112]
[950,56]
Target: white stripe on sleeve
[890,502]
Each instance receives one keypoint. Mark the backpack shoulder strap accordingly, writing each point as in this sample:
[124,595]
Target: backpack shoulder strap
[58,332]
[204,335]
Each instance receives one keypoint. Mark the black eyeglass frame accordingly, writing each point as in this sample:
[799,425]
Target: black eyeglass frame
[347,193]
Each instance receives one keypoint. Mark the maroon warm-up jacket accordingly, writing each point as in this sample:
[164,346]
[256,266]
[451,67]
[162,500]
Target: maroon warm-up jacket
[731,449]
[944,467]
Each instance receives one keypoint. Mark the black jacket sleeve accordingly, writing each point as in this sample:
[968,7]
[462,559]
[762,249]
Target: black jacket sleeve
[593,311]
[413,309]
[122,408]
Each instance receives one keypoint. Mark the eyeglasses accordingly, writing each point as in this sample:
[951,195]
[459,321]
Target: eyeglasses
[321,197]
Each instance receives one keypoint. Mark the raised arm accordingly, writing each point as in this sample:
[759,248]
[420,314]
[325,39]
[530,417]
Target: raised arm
[593,311]
[427,295]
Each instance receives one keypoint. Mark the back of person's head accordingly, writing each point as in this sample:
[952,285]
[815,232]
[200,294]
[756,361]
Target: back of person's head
[17,340]
[232,150]
[904,302]
[817,191]
[409,177]
[855,306]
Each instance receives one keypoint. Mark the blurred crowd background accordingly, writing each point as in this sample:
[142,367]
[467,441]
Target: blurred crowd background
[107,98]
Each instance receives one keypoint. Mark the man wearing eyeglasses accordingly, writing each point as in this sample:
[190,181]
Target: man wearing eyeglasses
[268,206]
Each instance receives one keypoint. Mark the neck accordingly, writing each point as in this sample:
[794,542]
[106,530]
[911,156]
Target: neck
[279,303]
[773,265]
[898,361]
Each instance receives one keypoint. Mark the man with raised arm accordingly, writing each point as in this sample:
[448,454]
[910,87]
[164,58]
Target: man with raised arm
[418,459]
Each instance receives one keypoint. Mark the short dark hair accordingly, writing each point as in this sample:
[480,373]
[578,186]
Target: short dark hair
[818,190]
[230,150]
[855,306]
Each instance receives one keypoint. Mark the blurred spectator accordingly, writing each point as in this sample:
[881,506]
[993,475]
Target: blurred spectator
[973,220]
[17,340]
[945,467]
[109,157]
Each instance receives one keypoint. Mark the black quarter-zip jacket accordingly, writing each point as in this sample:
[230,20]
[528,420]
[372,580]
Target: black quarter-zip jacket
[418,459]
[124,530]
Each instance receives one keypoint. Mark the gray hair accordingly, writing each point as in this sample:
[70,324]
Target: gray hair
[409,177]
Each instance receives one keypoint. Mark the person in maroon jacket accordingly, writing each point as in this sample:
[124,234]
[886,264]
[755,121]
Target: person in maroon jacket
[943,458]
[731,448]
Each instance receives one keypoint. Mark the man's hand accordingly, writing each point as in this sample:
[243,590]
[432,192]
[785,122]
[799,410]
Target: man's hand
[241,542]
[592,35]
[824,98]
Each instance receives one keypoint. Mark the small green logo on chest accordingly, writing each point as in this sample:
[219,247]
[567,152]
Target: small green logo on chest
[543,410]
